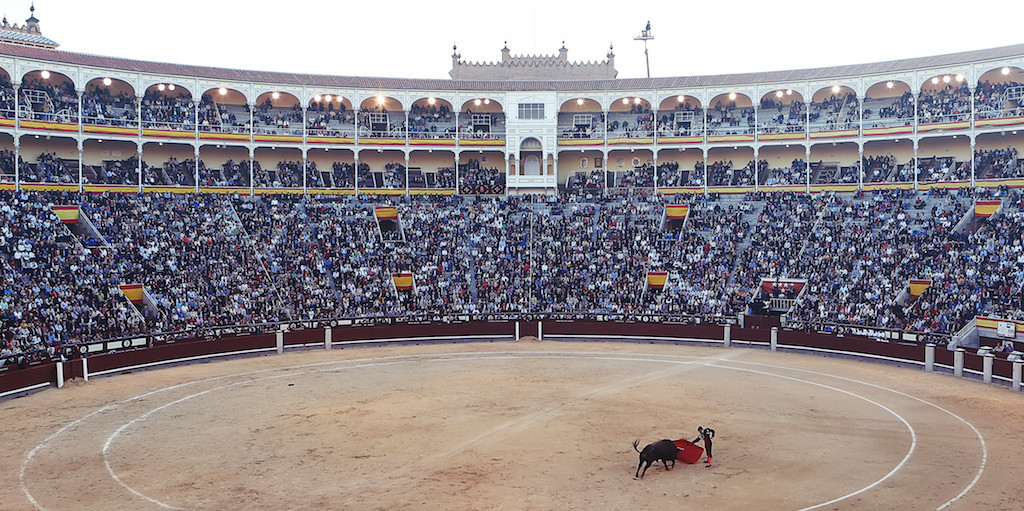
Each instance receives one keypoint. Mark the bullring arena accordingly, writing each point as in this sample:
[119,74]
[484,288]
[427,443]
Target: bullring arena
[236,289]
[508,425]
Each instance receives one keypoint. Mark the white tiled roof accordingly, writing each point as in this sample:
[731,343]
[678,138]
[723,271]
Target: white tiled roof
[13,35]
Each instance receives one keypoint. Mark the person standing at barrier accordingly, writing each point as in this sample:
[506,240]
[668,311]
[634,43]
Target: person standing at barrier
[705,434]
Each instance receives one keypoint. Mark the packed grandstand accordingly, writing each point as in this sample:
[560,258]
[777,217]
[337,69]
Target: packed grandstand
[139,198]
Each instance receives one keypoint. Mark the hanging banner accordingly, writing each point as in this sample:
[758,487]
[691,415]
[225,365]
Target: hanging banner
[917,287]
[386,213]
[656,279]
[67,214]
[986,208]
[132,292]
[403,281]
[676,211]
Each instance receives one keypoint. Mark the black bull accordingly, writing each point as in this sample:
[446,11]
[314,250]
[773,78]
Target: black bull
[663,450]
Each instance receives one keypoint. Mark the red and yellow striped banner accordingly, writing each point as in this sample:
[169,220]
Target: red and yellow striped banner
[656,279]
[676,211]
[917,287]
[386,213]
[403,281]
[986,208]
[67,214]
[132,292]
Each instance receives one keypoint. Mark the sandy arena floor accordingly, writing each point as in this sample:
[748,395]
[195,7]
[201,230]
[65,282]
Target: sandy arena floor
[514,426]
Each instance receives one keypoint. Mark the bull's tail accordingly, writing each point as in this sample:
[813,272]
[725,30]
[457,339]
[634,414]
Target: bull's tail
[635,444]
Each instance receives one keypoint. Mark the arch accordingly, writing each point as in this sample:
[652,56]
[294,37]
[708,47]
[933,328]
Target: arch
[723,100]
[109,101]
[320,102]
[167,90]
[277,99]
[832,91]
[886,89]
[943,81]
[431,118]
[51,96]
[380,103]
[580,104]
[1002,74]
[483,105]
[784,96]
[277,113]
[110,162]
[629,104]
[225,95]
[679,102]
[531,144]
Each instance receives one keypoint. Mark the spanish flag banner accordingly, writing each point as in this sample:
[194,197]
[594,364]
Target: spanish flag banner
[403,281]
[67,214]
[986,208]
[656,279]
[676,212]
[132,292]
[386,213]
[917,287]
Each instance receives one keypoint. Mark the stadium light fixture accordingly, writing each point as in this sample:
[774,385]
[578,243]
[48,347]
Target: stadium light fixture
[835,89]
[935,80]
[732,95]
[889,84]
[222,91]
[789,92]
[477,102]
[316,98]
[778,93]
[1005,71]
[275,95]
[680,98]
[380,100]
[431,100]
[107,81]
[636,100]
[625,101]
[579,101]
[161,87]
[45,74]
[959,78]
[945,79]
[170,87]
[487,101]
[327,98]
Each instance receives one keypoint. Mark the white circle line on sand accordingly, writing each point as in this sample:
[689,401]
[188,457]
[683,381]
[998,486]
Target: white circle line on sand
[447,357]
[981,438]
[913,434]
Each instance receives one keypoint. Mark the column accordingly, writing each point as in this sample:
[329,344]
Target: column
[196,171]
[304,170]
[974,168]
[915,169]
[80,173]
[138,148]
[252,174]
[807,166]
[407,162]
[355,167]
[757,184]
[860,170]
